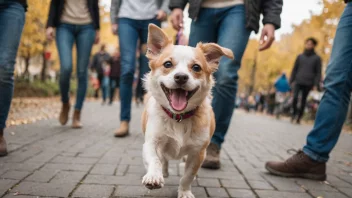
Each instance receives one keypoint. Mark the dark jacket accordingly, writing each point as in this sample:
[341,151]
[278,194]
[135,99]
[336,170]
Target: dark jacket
[115,67]
[98,59]
[307,69]
[57,6]
[271,10]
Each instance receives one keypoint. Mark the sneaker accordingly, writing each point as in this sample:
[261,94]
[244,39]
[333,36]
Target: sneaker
[212,159]
[298,165]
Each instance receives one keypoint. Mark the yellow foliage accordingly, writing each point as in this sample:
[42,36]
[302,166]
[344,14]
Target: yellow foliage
[281,56]
[33,36]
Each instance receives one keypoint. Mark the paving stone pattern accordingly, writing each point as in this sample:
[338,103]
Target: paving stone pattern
[49,160]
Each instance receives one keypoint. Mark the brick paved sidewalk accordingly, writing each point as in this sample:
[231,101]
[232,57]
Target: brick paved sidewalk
[47,160]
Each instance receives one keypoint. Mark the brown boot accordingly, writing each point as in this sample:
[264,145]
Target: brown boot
[212,160]
[3,147]
[76,120]
[65,109]
[123,130]
[299,165]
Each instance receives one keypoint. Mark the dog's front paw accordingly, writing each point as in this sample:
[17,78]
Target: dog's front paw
[185,194]
[153,181]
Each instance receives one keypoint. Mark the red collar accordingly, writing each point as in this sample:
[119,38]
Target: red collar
[181,116]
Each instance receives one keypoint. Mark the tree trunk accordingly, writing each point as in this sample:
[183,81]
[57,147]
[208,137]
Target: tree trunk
[43,72]
[26,64]
[253,73]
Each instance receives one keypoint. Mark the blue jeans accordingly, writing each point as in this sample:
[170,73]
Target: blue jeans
[105,87]
[225,26]
[338,85]
[12,17]
[66,36]
[129,32]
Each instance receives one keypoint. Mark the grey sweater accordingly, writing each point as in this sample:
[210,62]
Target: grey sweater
[136,9]
[271,10]
[307,69]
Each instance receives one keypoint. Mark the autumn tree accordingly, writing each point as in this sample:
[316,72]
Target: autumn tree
[33,40]
[281,56]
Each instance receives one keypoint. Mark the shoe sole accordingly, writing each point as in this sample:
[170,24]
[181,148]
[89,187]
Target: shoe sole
[211,165]
[319,177]
[127,134]
[3,154]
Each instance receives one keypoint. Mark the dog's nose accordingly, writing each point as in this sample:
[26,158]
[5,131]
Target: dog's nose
[181,78]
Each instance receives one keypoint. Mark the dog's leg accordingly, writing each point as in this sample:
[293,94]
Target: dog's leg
[165,164]
[193,163]
[154,178]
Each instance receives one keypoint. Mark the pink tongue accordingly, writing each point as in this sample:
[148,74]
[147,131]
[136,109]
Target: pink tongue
[178,99]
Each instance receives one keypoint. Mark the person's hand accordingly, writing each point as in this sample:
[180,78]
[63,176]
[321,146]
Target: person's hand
[177,18]
[267,38]
[97,37]
[50,33]
[161,15]
[114,28]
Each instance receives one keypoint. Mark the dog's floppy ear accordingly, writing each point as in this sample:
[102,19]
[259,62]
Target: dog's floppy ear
[213,53]
[157,41]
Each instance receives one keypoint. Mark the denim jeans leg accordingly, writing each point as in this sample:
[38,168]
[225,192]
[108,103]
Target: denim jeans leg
[128,36]
[338,85]
[232,34]
[64,42]
[12,17]
[204,28]
[84,43]
[143,61]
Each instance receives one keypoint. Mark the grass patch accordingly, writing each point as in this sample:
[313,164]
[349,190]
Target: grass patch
[37,88]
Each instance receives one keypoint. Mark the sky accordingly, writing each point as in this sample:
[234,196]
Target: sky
[294,12]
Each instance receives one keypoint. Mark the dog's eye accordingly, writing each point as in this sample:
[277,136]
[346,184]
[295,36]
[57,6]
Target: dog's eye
[196,68]
[167,64]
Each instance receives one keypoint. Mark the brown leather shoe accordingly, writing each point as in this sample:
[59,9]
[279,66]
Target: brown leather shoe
[212,159]
[76,120]
[3,147]
[65,109]
[299,165]
[123,130]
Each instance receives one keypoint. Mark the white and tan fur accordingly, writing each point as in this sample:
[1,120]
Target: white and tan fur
[165,138]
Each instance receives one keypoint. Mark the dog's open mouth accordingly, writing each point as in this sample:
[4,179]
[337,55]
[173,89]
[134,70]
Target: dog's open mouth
[178,98]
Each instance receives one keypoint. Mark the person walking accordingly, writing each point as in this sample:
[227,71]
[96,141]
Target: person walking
[75,22]
[115,75]
[311,161]
[97,65]
[230,26]
[305,75]
[12,18]
[130,20]
[105,86]
[282,87]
